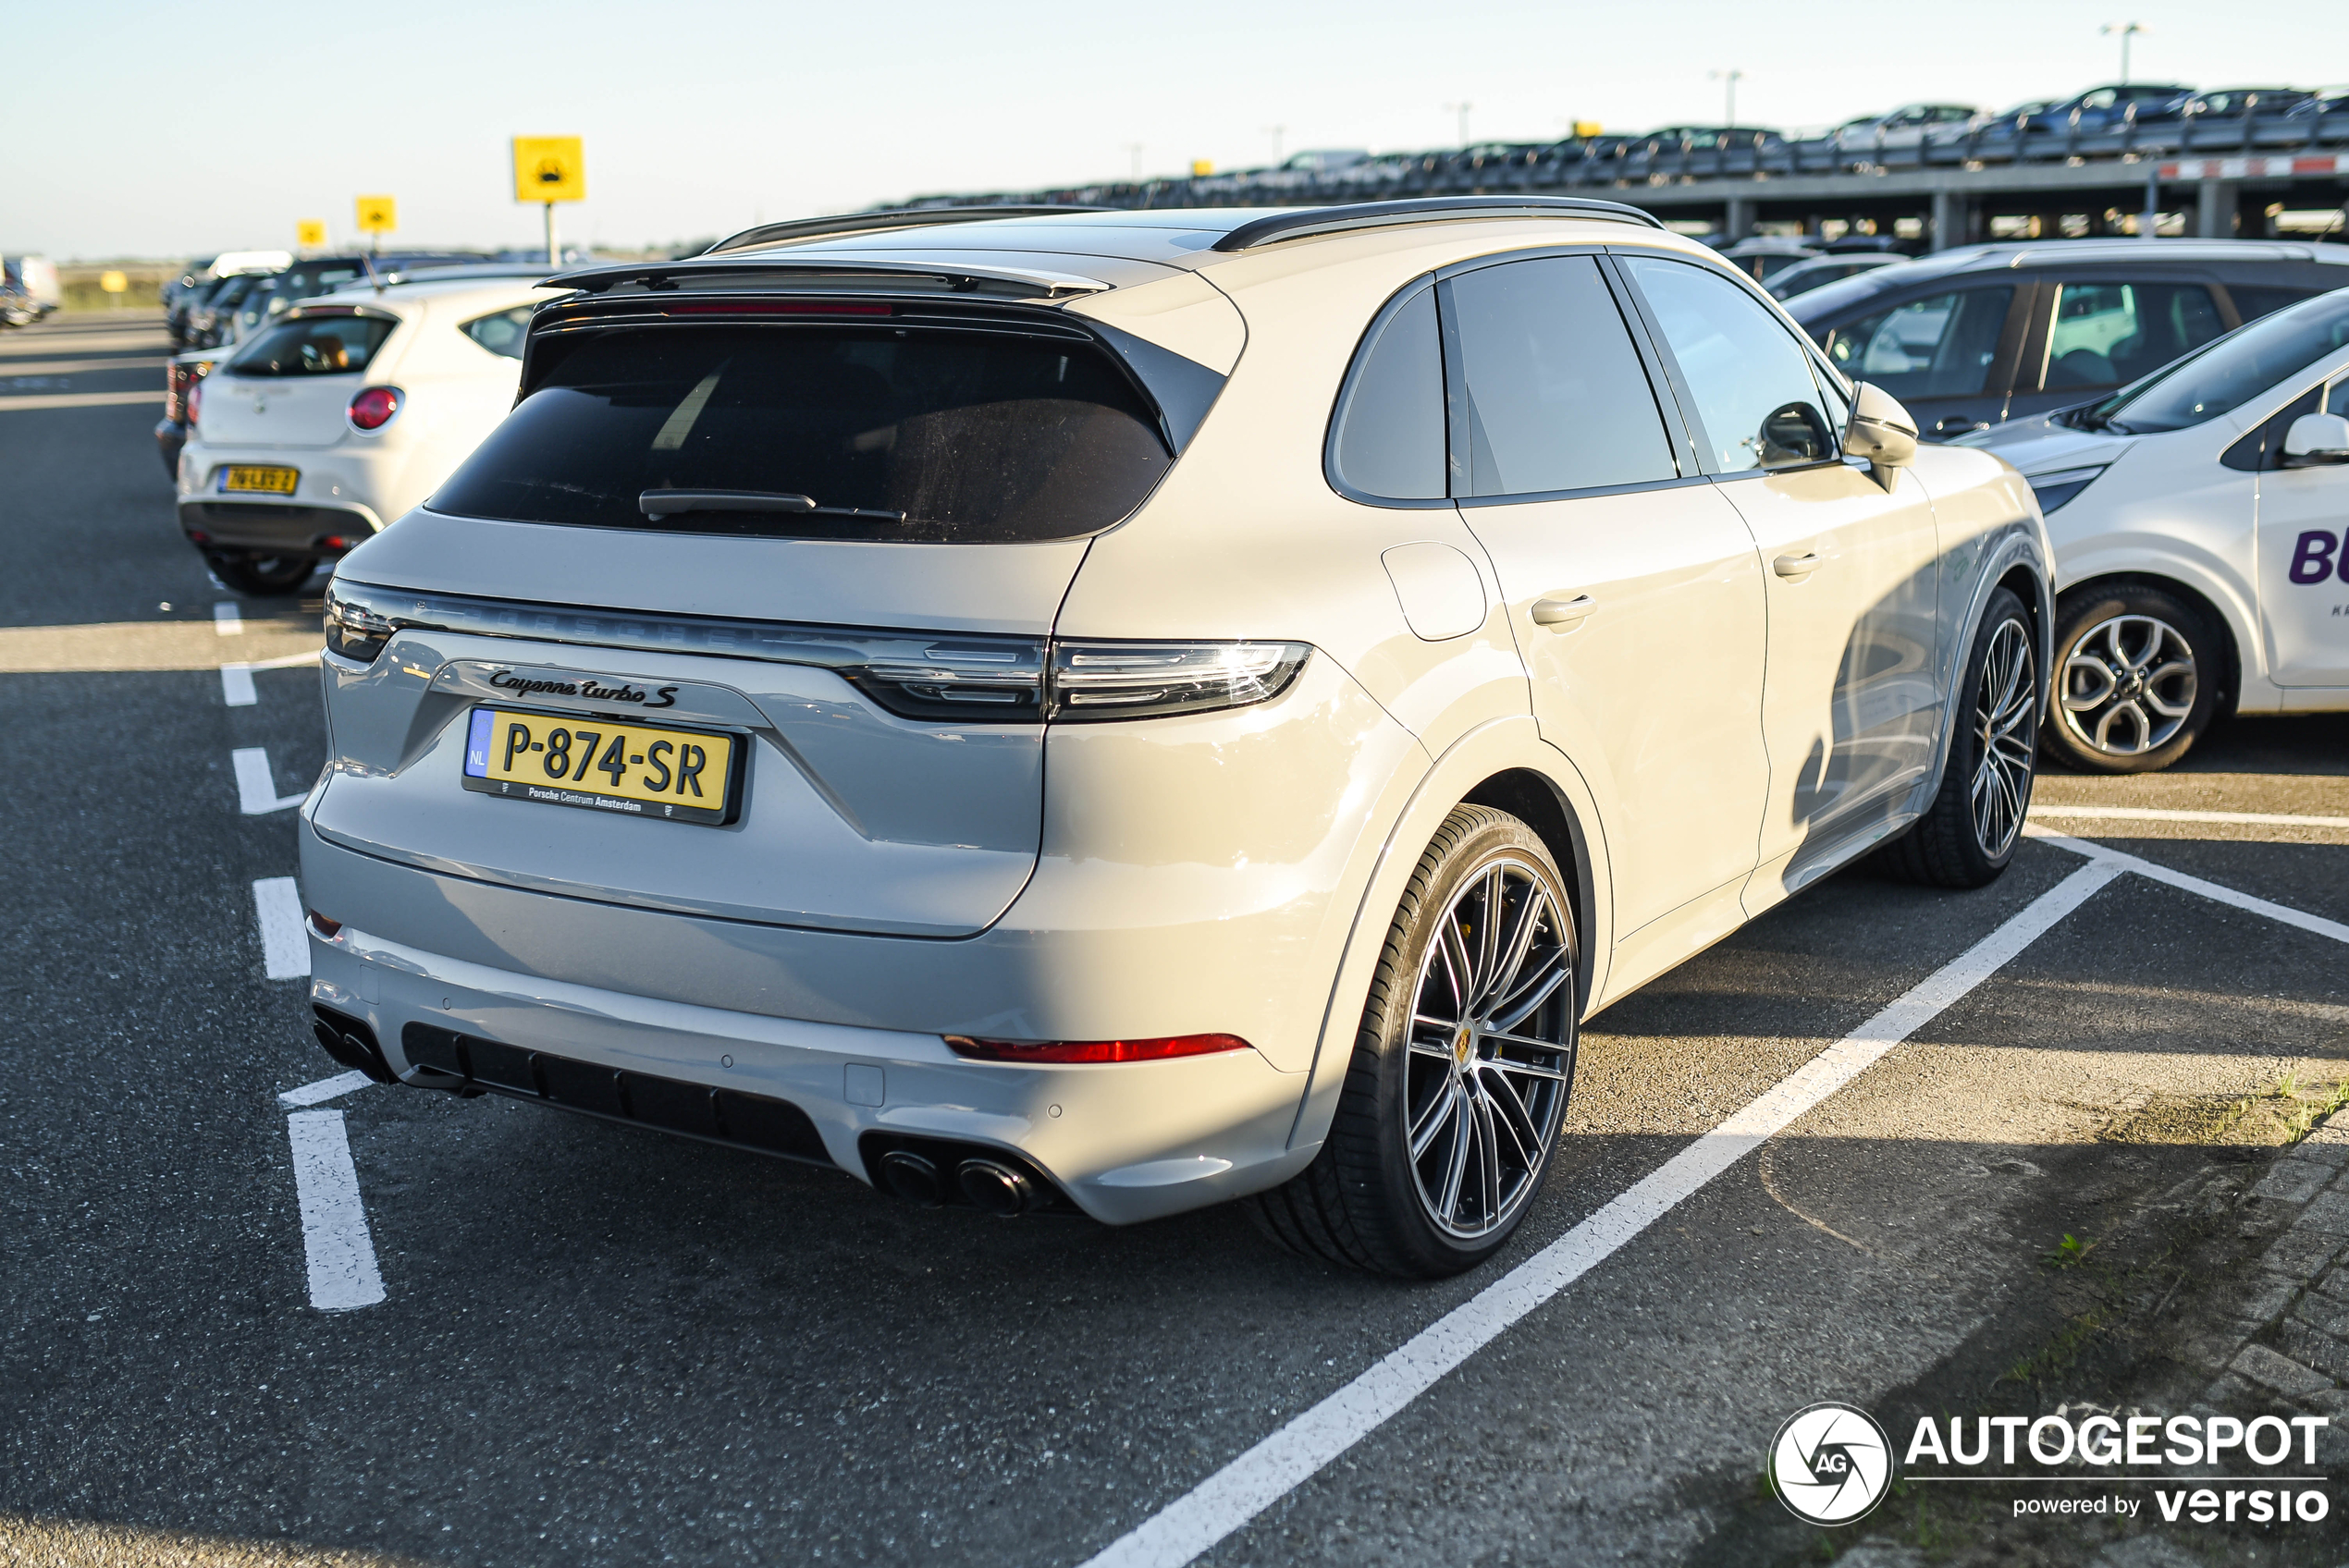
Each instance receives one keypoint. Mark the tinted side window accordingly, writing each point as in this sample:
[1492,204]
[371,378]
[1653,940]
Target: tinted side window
[1554,397]
[2104,334]
[1941,347]
[2254,300]
[1752,381]
[501,334]
[1390,430]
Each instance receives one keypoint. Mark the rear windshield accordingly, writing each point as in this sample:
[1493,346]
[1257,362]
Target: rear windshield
[856,432]
[314,346]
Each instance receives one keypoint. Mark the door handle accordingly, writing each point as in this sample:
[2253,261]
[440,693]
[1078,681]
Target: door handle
[1563,615]
[1794,569]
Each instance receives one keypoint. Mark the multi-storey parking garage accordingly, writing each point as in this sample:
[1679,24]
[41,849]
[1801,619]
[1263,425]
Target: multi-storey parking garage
[2065,175]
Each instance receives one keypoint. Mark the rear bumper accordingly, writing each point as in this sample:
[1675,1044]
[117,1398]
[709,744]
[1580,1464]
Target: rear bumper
[277,528]
[1126,1142]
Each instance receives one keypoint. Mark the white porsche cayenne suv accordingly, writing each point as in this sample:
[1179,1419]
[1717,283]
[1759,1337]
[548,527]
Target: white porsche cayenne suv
[1109,712]
[341,415]
[2200,519]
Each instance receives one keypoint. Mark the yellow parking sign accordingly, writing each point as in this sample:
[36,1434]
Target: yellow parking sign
[549,168]
[378,214]
[310,233]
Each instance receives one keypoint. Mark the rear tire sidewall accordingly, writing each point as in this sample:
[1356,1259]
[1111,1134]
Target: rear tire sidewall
[2074,619]
[1426,1249]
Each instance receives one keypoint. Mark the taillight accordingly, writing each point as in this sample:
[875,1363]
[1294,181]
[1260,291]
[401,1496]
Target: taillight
[195,404]
[373,407]
[1098,681]
[1059,1051]
[353,632]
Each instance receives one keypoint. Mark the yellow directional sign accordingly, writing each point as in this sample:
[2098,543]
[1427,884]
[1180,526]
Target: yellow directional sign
[310,233]
[1586,129]
[549,168]
[378,214]
[114,282]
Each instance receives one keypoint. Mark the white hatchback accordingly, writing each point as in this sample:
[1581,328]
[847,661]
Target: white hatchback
[1109,712]
[341,415]
[2201,526]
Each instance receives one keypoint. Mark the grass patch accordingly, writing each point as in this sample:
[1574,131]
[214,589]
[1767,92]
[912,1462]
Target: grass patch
[2274,1116]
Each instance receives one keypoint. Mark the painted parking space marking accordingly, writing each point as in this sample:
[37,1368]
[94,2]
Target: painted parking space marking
[236,679]
[285,950]
[227,619]
[256,785]
[1291,1456]
[2283,913]
[324,1089]
[334,1224]
[2152,814]
[1261,1476]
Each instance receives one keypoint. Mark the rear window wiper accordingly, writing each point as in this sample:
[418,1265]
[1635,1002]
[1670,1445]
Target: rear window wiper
[659,504]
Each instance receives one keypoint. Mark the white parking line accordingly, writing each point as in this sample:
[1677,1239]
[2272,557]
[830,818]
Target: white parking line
[256,785]
[285,950]
[334,1222]
[227,619]
[2283,914]
[324,1089]
[2149,814]
[236,679]
[1268,1472]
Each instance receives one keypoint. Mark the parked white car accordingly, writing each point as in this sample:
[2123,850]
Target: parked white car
[1116,711]
[2198,517]
[341,415]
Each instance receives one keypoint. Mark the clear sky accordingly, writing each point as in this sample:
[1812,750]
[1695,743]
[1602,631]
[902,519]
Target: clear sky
[143,128]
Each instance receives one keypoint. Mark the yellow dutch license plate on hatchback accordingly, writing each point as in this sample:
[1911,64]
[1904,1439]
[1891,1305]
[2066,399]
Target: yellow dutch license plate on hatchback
[633,769]
[247,479]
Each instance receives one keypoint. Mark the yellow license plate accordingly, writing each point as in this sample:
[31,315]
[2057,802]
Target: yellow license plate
[633,769]
[240,478]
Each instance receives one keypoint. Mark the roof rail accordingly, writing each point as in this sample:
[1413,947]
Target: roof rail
[890,217]
[1303,221]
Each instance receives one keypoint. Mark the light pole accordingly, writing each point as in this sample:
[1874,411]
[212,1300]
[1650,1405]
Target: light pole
[2127,31]
[1730,78]
[1276,132]
[1135,149]
[1461,109]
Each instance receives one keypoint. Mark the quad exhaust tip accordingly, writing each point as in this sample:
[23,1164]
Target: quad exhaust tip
[993,1186]
[911,1177]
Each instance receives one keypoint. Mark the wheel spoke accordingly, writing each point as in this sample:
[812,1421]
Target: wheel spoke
[1558,976]
[1521,940]
[1513,1115]
[1463,1136]
[1488,1148]
[1434,1117]
[1456,965]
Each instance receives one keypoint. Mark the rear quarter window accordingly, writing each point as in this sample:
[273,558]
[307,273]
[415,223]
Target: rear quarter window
[502,332]
[888,434]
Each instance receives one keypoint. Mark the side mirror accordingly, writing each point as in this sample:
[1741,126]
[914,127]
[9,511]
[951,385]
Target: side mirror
[2314,440]
[1882,432]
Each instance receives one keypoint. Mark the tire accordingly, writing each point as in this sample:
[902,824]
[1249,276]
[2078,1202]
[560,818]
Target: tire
[1969,834]
[1366,1201]
[2136,678]
[263,576]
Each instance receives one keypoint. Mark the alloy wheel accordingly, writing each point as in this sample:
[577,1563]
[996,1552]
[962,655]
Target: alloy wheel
[2006,728]
[2129,685]
[1492,1037]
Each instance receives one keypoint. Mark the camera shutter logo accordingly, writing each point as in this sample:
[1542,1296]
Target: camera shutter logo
[1831,1464]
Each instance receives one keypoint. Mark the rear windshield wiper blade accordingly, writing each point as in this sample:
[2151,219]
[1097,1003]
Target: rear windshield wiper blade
[660,504]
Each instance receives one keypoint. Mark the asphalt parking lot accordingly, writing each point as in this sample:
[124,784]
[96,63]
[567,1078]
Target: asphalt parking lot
[593,1345]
